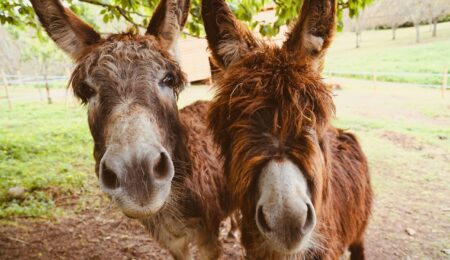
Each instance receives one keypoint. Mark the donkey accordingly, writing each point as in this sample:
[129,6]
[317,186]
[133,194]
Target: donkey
[302,185]
[158,164]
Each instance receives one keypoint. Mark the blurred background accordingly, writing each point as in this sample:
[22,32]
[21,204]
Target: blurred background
[388,66]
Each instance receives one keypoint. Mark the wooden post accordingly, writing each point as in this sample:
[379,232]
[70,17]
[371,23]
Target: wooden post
[444,82]
[68,95]
[5,83]
[47,88]
[36,75]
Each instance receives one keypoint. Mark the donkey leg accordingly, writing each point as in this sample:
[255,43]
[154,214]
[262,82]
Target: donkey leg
[357,250]
[234,222]
[179,249]
[209,245]
[170,235]
[210,251]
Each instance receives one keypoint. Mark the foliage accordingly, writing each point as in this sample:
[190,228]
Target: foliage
[43,51]
[19,13]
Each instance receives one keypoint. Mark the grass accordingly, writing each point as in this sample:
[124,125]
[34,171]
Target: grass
[47,151]
[380,53]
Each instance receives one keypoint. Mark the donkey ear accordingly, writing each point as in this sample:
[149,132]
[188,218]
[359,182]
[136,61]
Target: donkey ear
[314,30]
[69,32]
[228,39]
[168,21]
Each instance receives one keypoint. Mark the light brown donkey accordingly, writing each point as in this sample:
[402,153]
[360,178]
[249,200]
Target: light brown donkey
[302,185]
[157,164]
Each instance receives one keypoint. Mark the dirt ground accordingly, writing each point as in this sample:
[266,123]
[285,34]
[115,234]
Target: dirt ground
[410,174]
[107,235]
[91,235]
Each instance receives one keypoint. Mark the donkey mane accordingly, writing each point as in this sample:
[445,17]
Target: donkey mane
[269,74]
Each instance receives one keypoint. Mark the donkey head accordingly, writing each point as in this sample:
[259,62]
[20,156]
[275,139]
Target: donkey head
[269,116]
[130,85]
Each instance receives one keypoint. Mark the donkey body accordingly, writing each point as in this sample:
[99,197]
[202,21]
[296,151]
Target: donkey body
[157,164]
[302,185]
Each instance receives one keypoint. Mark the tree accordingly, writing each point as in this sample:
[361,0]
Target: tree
[396,16]
[8,53]
[419,11]
[19,13]
[435,10]
[43,52]
[359,27]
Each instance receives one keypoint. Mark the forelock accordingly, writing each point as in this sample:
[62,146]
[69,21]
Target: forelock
[124,56]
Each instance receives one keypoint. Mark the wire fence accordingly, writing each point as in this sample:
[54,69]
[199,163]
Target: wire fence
[33,80]
[375,76]
[39,80]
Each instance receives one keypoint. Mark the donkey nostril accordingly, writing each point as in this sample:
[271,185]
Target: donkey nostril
[262,219]
[109,178]
[310,220]
[162,168]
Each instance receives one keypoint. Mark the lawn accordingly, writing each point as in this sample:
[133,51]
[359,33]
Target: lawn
[46,150]
[379,53]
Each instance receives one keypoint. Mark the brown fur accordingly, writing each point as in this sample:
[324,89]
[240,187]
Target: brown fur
[198,188]
[270,104]
[120,77]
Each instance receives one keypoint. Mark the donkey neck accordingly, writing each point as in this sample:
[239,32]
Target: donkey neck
[182,158]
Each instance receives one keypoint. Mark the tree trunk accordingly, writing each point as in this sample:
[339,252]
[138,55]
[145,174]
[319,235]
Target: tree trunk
[417,25]
[394,32]
[47,88]
[435,22]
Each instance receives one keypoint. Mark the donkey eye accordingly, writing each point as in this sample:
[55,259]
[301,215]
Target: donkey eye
[88,90]
[168,80]
[85,91]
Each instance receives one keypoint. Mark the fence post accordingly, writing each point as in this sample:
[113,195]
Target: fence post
[68,94]
[5,83]
[36,76]
[444,82]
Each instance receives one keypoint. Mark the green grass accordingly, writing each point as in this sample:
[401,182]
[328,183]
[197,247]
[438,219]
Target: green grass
[429,133]
[47,150]
[380,53]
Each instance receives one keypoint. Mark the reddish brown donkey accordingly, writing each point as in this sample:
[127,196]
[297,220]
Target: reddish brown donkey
[302,185]
[158,164]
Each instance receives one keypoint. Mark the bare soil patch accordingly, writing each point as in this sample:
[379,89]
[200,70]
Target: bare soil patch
[90,235]
[405,141]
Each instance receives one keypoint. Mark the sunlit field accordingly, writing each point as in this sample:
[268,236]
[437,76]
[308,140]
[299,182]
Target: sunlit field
[379,53]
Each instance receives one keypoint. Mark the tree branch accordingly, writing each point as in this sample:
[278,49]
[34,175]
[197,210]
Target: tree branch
[98,3]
